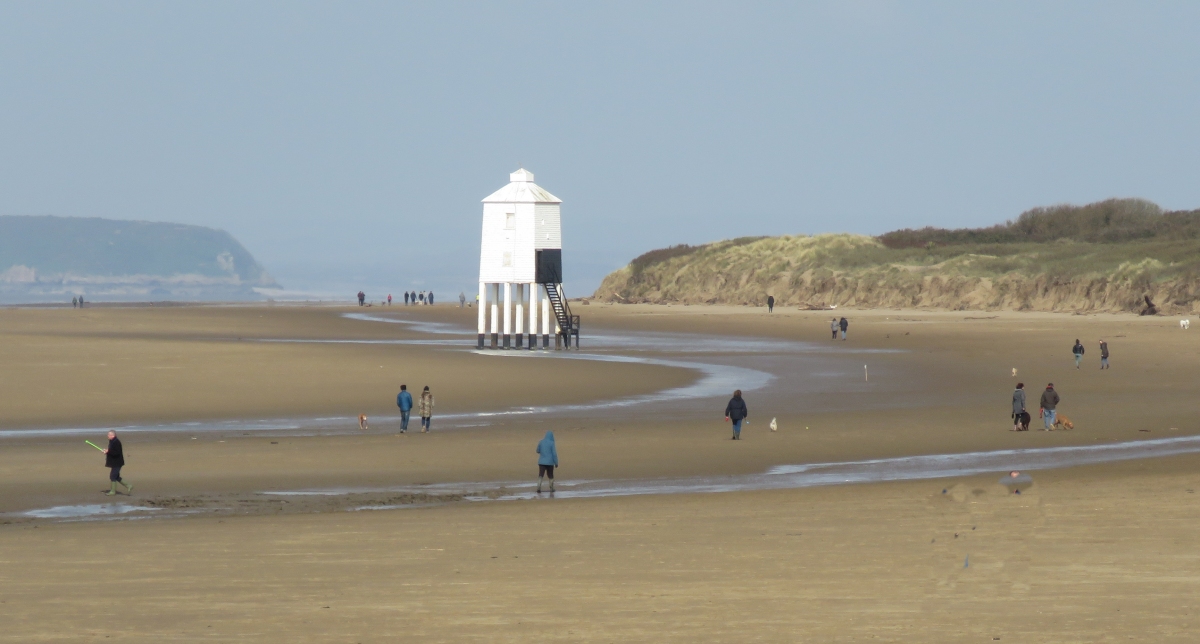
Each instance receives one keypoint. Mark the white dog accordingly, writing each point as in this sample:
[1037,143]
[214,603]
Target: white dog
[1185,323]
[1014,372]
[774,425]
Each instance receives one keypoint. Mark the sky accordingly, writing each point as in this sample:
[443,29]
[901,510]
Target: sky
[347,145]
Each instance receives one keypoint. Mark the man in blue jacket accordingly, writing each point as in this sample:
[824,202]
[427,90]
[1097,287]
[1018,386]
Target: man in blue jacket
[547,460]
[404,402]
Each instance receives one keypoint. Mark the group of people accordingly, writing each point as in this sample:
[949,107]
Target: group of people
[404,401]
[1047,408]
[1078,352]
[77,302]
[410,297]
[836,325]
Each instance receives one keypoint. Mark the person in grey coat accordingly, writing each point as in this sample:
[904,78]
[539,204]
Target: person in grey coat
[1018,408]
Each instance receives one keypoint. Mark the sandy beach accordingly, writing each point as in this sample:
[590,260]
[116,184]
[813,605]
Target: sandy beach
[1090,553]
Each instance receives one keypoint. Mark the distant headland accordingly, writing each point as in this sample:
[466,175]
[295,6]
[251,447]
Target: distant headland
[53,259]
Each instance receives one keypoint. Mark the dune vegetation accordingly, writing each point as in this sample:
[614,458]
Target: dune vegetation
[1106,256]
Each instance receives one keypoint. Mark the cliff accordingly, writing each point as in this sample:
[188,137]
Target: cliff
[55,258]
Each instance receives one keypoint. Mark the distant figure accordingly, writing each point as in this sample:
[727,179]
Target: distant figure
[1049,404]
[74,302]
[1078,351]
[81,301]
[362,422]
[422,296]
[1019,415]
[1103,354]
[736,411]
[114,460]
[426,405]
[770,304]
[405,402]
[414,298]
[844,324]
[547,460]
[430,298]
[833,327]
[462,299]
[389,299]
[362,298]
[406,298]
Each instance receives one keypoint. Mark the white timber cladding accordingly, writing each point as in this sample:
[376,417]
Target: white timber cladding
[518,220]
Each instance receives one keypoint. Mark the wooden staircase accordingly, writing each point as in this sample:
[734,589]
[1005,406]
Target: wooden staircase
[567,323]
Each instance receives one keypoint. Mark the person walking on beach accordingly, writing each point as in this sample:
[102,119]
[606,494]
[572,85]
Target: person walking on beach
[422,298]
[736,411]
[404,402]
[1103,354]
[1018,408]
[833,327]
[431,298]
[844,324]
[74,302]
[114,460]
[770,304]
[426,408]
[547,460]
[462,299]
[1049,404]
[406,298]
[1078,351]
[389,299]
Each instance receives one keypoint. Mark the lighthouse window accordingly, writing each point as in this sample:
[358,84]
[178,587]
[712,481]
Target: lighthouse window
[510,221]
[508,259]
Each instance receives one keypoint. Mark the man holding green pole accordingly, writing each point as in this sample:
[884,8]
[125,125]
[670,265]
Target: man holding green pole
[114,460]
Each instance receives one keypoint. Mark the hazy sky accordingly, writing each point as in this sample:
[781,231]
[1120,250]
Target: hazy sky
[349,144]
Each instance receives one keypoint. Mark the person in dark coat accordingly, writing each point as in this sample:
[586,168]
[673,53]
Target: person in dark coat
[1078,351]
[1049,404]
[431,298]
[736,411]
[1103,354]
[114,460]
[1019,415]
[843,324]
[405,402]
[547,460]
[770,304]
[406,298]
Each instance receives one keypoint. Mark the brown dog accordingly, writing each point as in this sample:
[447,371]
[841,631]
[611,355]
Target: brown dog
[1062,422]
[362,422]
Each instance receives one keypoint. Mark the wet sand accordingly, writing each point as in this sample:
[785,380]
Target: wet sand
[835,563]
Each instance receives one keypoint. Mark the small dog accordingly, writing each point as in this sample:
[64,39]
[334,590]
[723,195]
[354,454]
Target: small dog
[362,422]
[1185,323]
[1062,422]
[774,425]
[1014,372]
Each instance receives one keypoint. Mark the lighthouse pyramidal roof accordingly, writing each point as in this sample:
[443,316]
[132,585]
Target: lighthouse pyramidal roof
[521,189]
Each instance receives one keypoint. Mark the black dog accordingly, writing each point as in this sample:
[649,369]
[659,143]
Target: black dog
[1023,419]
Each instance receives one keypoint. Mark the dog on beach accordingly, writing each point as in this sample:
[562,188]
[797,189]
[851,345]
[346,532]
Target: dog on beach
[1062,422]
[774,425]
[1185,323]
[362,422]
[1023,421]
[1014,372]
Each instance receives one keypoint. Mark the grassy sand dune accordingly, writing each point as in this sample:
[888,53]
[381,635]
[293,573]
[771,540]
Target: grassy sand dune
[1103,257]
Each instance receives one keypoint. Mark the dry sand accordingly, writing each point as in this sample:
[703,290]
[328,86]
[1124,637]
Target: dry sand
[1099,553]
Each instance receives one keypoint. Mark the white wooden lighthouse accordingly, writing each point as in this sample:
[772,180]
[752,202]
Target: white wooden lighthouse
[520,268]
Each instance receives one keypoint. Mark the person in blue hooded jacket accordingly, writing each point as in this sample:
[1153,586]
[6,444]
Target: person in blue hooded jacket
[547,460]
[405,403]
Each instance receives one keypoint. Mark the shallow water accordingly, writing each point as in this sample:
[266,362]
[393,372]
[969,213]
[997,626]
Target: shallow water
[90,511]
[729,363]
[932,466]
